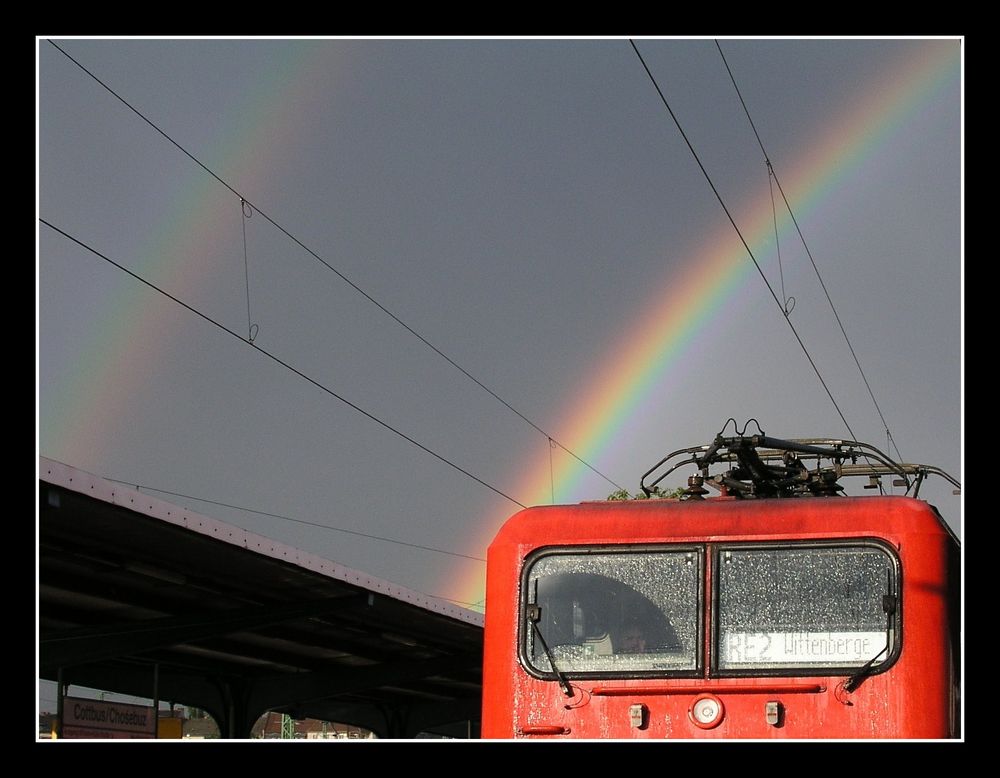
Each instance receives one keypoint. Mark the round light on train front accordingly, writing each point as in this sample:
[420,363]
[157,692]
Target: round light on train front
[707,711]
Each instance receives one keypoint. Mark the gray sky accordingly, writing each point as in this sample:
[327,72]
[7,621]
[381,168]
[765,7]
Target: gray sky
[528,207]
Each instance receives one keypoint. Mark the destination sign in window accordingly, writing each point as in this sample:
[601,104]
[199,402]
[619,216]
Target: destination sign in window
[751,649]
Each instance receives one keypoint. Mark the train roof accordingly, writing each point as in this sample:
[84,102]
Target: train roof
[721,518]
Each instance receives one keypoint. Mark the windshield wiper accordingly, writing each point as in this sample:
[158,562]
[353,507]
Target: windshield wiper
[868,669]
[534,613]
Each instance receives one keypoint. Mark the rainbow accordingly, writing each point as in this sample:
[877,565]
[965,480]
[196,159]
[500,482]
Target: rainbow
[84,412]
[662,334]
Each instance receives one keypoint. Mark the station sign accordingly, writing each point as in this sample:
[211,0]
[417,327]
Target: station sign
[102,719]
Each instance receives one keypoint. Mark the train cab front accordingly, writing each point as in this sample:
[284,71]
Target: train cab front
[716,638]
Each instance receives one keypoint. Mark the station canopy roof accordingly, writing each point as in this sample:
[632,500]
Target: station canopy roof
[142,597]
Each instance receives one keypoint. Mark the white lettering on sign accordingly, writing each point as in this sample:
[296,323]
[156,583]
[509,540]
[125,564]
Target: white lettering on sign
[755,648]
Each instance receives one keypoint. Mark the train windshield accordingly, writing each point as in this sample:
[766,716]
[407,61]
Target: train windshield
[775,609]
[618,612]
[805,608]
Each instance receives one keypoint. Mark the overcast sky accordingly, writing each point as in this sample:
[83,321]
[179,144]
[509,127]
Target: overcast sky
[528,208]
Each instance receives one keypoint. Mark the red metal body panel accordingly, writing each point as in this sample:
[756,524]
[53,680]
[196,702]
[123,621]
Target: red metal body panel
[913,698]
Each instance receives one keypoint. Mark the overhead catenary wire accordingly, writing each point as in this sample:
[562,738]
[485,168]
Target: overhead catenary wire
[299,521]
[732,221]
[472,606]
[773,174]
[284,364]
[247,203]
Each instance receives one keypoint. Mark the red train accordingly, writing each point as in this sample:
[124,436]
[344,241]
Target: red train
[776,609]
